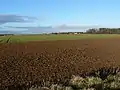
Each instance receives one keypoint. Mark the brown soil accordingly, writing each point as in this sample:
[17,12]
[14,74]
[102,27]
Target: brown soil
[55,61]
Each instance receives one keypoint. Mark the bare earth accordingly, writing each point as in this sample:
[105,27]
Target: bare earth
[55,61]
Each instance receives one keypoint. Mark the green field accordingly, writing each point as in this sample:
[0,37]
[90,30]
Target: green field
[25,38]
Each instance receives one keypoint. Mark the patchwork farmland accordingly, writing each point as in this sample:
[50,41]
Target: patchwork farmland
[27,60]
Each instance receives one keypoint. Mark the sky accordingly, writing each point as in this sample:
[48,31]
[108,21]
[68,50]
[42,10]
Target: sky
[68,15]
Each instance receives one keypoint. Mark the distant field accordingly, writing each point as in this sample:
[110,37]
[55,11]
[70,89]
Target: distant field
[25,38]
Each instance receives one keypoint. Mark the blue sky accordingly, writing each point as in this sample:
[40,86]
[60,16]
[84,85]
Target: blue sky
[42,13]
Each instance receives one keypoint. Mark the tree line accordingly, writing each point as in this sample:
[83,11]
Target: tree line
[95,31]
[68,33]
[104,31]
[6,34]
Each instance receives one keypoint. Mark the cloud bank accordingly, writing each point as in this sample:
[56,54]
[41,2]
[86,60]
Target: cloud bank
[15,19]
[76,26]
[11,18]
[49,29]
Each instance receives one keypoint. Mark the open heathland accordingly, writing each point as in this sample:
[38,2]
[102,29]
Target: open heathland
[55,61]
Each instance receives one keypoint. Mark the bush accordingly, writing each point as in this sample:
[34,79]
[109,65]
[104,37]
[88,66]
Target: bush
[102,79]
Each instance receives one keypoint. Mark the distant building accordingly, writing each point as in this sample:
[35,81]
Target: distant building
[75,33]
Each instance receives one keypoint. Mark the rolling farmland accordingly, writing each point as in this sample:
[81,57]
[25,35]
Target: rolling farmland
[54,58]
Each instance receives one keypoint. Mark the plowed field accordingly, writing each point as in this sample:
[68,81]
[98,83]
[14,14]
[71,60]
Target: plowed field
[55,61]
